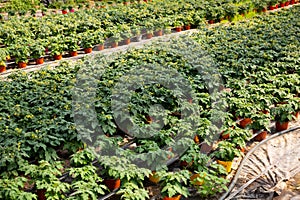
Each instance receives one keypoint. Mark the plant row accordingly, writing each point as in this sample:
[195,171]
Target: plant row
[259,68]
[32,38]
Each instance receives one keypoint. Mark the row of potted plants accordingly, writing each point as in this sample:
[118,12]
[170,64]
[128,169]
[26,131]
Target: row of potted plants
[70,27]
[37,113]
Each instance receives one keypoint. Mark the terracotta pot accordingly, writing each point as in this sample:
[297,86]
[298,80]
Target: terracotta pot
[112,184]
[22,64]
[196,139]
[245,122]
[242,149]
[64,12]
[272,7]
[183,163]
[178,29]
[41,194]
[114,44]
[225,137]
[73,53]
[99,47]
[261,136]
[226,164]
[172,198]
[296,114]
[127,41]
[281,126]
[154,178]
[265,112]
[193,177]
[149,35]
[211,21]
[88,50]
[58,57]
[187,27]
[2,68]
[158,33]
[39,61]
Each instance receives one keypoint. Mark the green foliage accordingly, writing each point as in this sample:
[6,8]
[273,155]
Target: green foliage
[172,183]
[226,151]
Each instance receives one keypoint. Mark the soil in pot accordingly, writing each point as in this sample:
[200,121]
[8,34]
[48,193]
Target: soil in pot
[281,126]
[39,61]
[227,165]
[58,57]
[172,198]
[112,184]
[73,53]
[2,68]
[22,64]
[88,50]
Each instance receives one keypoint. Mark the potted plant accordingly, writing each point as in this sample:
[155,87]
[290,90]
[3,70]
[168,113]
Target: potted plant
[178,23]
[86,183]
[126,33]
[21,53]
[231,11]
[72,44]
[71,8]
[171,183]
[117,169]
[37,51]
[99,38]
[3,56]
[261,123]
[272,4]
[133,191]
[45,176]
[225,153]
[57,48]
[64,9]
[283,114]
[87,41]
[114,36]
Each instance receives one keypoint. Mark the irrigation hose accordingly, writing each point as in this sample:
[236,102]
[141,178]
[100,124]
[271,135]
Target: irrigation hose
[223,197]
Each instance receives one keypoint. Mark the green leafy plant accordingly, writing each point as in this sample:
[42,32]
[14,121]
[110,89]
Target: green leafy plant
[45,178]
[21,52]
[226,151]
[86,184]
[283,112]
[37,50]
[172,183]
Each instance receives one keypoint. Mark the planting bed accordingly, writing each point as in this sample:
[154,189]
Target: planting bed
[220,88]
